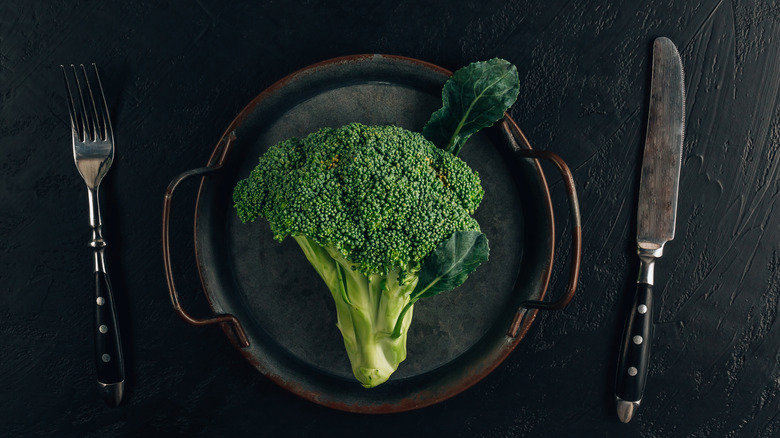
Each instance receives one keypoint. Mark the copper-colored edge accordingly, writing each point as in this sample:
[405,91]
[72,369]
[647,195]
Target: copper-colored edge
[174,296]
[420,400]
[510,132]
[576,246]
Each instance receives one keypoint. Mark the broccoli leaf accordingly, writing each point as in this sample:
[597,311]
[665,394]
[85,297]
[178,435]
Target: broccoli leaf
[447,267]
[475,97]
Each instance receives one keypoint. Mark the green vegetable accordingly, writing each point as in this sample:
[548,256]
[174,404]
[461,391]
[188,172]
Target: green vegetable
[366,204]
[382,214]
[475,97]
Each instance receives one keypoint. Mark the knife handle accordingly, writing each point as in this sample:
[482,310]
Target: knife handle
[635,347]
[109,359]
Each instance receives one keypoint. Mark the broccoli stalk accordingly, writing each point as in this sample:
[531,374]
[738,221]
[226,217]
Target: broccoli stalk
[368,309]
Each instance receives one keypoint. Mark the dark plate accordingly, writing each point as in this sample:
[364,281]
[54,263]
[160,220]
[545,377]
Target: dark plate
[285,309]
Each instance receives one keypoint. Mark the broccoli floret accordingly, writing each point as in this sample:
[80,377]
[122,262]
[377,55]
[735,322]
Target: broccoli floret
[366,204]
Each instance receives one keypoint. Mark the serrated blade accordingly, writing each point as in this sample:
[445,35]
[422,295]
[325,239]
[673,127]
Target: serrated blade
[660,180]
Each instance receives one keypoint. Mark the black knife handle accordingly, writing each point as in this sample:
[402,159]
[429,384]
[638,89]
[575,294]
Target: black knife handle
[109,359]
[635,346]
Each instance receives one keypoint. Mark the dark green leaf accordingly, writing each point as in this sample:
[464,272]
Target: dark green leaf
[475,97]
[448,266]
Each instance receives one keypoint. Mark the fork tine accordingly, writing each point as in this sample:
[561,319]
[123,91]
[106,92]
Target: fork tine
[106,120]
[79,107]
[85,119]
[75,122]
[93,114]
[89,122]
[89,116]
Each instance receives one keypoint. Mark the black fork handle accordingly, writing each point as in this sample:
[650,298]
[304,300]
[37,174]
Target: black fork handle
[109,359]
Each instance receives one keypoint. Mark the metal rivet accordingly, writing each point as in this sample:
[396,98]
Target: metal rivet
[100,301]
[632,371]
[642,309]
[637,339]
[104,329]
[106,358]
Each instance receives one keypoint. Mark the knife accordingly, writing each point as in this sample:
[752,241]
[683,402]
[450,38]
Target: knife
[656,215]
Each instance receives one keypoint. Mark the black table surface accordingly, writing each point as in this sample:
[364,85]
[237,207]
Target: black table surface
[177,73]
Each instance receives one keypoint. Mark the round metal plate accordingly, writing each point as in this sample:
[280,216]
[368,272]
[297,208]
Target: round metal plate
[456,338]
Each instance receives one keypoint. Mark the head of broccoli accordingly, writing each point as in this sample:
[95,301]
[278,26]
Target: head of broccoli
[366,204]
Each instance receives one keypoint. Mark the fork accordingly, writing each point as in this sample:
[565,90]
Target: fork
[93,152]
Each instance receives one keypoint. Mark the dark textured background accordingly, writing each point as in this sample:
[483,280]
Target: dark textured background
[178,72]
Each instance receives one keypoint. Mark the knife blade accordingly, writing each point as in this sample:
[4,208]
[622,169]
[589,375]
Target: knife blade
[656,217]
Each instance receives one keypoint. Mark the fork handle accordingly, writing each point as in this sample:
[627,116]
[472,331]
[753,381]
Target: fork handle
[109,359]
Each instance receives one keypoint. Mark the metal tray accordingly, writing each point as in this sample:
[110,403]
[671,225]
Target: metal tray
[277,311]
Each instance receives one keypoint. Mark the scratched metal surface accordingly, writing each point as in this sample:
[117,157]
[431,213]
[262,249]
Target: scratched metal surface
[177,73]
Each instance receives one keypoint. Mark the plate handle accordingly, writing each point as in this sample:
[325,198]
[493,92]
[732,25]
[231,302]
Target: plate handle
[214,164]
[512,132]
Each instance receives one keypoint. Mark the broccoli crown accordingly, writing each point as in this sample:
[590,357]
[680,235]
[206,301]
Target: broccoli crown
[383,196]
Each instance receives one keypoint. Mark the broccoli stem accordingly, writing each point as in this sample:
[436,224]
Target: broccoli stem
[373,312]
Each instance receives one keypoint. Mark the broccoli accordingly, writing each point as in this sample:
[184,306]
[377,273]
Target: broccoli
[367,205]
[384,214]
